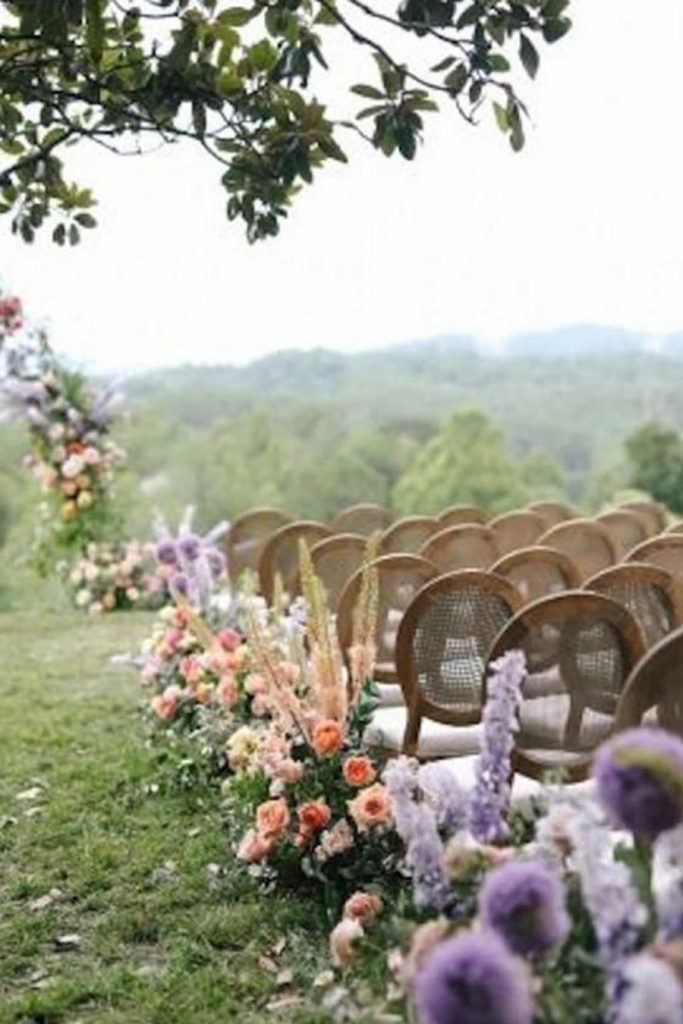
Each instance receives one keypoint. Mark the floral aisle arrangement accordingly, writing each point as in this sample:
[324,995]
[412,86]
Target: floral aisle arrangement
[577,917]
[112,576]
[310,797]
[72,455]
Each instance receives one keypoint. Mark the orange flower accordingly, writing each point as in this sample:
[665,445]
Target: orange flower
[361,906]
[358,770]
[327,737]
[272,819]
[371,807]
[313,816]
[226,691]
[165,704]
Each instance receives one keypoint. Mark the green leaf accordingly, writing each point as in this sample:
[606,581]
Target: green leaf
[528,55]
[443,64]
[86,220]
[368,92]
[554,30]
[497,62]
[457,78]
[94,28]
[332,149]
[501,117]
[235,16]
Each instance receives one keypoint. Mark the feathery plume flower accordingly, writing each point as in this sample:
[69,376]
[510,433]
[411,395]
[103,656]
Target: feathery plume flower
[524,902]
[639,779]
[473,979]
[491,794]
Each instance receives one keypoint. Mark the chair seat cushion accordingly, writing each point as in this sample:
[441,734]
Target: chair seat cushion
[389,695]
[388,725]
[544,684]
[524,789]
[544,720]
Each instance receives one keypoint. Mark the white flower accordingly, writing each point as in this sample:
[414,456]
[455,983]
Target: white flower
[73,467]
[56,432]
[653,994]
[59,453]
[76,576]
[91,571]
[133,594]
[83,598]
[91,455]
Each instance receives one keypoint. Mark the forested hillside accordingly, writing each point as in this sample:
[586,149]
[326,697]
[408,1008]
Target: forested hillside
[312,431]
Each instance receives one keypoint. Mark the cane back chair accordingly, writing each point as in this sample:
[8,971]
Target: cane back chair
[461,547]
[626,529]
[654,690]
[363,519]
[247,536]
[651,594]
[666,551]
[407,535]
[516,530]
[461,515]
[587,543]
[553,512]
[538,572]
[652,513]
[280,555]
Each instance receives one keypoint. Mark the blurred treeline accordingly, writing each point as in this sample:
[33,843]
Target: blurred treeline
[416,427]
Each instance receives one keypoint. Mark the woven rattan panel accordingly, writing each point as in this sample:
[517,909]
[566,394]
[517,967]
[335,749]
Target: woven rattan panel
[583,658]
[537,579]
[396,590]
[649,605]
[452,642]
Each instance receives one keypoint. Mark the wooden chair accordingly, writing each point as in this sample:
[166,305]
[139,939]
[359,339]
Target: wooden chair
[652,513]
[538,572]
[516,530]
[247,535]
[461,515]
[654,690]
[587,543]
[461,547]
[363,519]
[553,512]
[594,644]
[280,555]
[399,579]
[335,560]
[666,551]
[652,595]
[407,535]
[626,529]
[441,651]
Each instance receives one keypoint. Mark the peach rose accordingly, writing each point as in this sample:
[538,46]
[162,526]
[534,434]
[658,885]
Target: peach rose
[313,816]
[342,938]
[358,770]
[165,704]
[362,906]
[253,847]
[288,770]
[202,693]
[327,737]
[255,684]
[226,691]
[371,807]
[272,819]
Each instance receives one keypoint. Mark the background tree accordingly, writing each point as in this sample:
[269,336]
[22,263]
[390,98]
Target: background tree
[465,462]
[656,455]
[239,82]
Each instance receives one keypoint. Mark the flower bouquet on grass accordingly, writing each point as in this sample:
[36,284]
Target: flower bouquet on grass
[575,920]
[308,795]
[114,576]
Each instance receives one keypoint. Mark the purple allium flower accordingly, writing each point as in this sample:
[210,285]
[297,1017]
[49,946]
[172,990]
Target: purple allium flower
[491,793]
[473,979]
[523,902]
[190,547]
[166,552]
[639,778]
[217,562]
[179,584]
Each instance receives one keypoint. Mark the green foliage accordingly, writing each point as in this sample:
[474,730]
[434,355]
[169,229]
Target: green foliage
[656,455]
[237,81]
[465,462]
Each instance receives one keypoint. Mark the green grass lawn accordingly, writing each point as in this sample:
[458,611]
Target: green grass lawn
[87,851]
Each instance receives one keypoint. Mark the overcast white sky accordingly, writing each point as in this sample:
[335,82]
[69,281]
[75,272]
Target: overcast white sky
[585,225]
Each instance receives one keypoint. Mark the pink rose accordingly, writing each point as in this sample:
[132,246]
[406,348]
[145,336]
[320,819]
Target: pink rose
[165,705]
[362,906]
[342,939]
[254,847]
[229,639]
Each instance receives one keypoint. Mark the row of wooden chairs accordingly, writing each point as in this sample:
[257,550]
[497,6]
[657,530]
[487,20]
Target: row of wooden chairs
[266,540]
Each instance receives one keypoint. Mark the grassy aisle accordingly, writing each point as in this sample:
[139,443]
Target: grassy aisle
[120,876]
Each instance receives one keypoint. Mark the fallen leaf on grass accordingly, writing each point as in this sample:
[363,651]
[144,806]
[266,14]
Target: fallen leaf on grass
[268,964]
[283,1003]
[324,979]
[284,978]
[43,902]
[30,794]
[279,946]
[64,943]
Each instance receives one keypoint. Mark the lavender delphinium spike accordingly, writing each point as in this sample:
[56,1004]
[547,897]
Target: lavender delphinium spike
[423,800]
[491,794]
[609,895]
